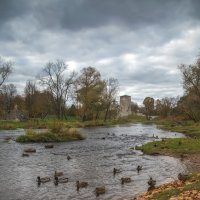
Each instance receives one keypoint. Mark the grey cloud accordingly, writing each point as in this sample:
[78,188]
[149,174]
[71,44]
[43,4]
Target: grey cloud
[139,42]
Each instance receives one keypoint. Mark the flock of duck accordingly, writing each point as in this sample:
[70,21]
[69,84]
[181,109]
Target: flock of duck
[60,178]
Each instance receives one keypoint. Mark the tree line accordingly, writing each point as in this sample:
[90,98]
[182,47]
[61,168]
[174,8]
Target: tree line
[88,96]
[186,107]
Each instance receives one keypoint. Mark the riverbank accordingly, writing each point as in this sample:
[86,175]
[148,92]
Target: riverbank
[189,128]
[187,150]
[176,190]
[48,124]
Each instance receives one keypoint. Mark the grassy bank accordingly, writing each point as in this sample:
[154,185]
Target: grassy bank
[175,190]
[174,146]
[189,128]
[42,124]
[50,136]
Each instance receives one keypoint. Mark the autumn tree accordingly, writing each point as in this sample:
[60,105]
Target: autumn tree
[190,102]
[90,89]
[149,106]
[5,70]
[37,102]
[165,106]
[56,82]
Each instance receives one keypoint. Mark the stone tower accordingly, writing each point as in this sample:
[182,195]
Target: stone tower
[125,106]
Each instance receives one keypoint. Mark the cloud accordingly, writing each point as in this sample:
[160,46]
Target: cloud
[140,43]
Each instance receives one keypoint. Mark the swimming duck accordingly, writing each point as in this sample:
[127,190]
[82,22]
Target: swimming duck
[58,174]
[139,167]
[125,180]
[25,155]
[81,185]
[30,150]
[43,180]
[100,190]
[49,146]
[68,157]
[116,171]
[151,182]
[60,180]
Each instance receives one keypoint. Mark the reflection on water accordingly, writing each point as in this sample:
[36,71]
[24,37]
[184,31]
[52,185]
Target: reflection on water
[92,160]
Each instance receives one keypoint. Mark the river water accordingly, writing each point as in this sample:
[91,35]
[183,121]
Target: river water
[93,160]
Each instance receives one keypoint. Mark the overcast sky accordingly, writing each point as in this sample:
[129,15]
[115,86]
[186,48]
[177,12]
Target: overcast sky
[139,42]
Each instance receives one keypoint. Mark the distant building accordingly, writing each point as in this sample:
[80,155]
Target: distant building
[125,106]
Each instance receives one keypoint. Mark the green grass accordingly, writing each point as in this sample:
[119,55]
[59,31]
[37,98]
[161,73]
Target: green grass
[172,146]
[57,124]
[189,128]
[62,136]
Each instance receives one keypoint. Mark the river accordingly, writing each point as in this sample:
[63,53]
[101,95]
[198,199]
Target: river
[93,160]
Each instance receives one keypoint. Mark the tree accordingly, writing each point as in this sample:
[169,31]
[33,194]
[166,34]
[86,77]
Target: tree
[134,107]
[190,102]
[90,89]
[165,106]
[191,77]
[8,93]
[37,103]
[30,91]
[57,85]
[149,106]
[111,91]
[5,70]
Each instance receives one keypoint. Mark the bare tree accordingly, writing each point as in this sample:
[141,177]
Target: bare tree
[30,91]
[8,93]
[57,85]
[5,70]
[110,96]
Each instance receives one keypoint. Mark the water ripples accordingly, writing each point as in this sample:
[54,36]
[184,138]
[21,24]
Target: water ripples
[92,160]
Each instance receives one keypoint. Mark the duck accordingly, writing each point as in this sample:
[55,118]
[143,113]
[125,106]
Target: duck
[125,180]
[116,171]
[25,155]
[49,146]
[100,190]
[151,182]
[68,157]
[139,168]
[43,180]
[183,177]
[58,174]
[30,150]
[81,185]
[60,180]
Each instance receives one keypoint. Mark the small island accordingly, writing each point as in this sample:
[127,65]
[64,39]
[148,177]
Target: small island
[53,135]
